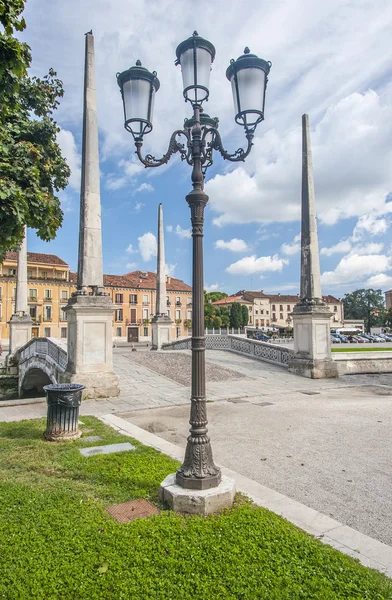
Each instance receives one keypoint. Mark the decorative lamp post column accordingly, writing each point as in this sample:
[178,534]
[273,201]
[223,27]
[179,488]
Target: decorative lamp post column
[248,76]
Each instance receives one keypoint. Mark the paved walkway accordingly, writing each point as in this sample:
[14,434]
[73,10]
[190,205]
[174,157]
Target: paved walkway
[324,443]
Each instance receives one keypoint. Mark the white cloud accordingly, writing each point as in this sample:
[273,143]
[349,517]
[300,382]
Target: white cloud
[354,131]
[130,249]
[214,287]
[66,141]
[371,248]
[144,187]
[339,248]
[170,270]
[252,264]
[379,281]
[147,246]
[169,228]
[354,267]
[293,248]
[235,245]
[131,265]
[285,287]
[139,206]
[183,233]
[371,225]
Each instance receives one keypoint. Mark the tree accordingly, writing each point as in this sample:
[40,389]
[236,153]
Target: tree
[32,168]
[387,318]
[225,316]
[236,315]
[245,315]
[365,304]
[214,296]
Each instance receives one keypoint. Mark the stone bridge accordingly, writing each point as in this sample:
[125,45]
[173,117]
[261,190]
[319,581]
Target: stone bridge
[41,361]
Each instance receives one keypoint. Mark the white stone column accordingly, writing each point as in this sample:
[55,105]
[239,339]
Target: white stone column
[20,322]
[311,316]
[90,310]
[161,323]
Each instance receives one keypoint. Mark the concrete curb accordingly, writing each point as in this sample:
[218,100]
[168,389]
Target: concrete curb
[369,552]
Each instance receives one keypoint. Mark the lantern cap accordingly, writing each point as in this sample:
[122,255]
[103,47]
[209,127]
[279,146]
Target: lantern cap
[205,121]
[247,61]
[194,41]
[138,72]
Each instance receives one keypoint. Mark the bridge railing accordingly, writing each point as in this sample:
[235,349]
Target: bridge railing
[46,347]
[253,348]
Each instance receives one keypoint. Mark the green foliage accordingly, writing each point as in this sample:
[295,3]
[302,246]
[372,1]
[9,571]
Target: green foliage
[214,296]
[236,315]
[57,541]
[367,304]
[245,315]
[32,168]
[387,317]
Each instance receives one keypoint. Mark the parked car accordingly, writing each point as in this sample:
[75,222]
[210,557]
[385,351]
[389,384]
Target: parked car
[261,337]
[335,339]
[343,338]
[362,340]
[378,338]
[367,337]
[352,339]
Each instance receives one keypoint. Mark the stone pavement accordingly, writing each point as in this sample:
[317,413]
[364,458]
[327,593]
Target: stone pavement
[325,443]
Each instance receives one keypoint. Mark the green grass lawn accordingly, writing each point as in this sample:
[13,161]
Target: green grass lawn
[57,542]
[359,348]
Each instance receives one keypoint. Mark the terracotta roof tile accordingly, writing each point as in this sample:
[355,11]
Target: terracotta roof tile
[228,300]
[36,257]
[143,280]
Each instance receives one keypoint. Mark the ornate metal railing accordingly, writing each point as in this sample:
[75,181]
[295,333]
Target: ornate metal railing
[252,348]
[49,348]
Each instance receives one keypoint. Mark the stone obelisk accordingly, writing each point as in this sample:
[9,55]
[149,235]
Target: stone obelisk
[20,322]
[90,310]
[311,316]
[161,323]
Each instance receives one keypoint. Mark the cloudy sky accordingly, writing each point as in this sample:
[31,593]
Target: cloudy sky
[329,59]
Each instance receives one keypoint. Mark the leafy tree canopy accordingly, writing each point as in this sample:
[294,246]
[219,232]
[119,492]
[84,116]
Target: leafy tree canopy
[214,296]
[32,168]
[367,304]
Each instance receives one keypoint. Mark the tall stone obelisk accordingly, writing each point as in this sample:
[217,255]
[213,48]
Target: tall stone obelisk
[20,322]
[161,323]
[90,310]
[311,316]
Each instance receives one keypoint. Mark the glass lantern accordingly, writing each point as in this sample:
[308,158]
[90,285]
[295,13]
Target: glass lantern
[195,55]
[138,87]
[248,76]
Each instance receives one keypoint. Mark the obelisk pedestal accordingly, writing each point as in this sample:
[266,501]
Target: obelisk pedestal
[20,322]
[311,316]
[90,310]
[161,324]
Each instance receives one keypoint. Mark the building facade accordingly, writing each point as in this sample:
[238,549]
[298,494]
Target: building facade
[274,310]
[50,284]
[388,299]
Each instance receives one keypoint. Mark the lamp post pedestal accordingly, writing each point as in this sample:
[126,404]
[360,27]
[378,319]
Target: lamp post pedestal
[161,331]
[197,502]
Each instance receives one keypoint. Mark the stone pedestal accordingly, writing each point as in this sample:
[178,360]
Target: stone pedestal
[20,331]
[161,331]
[197,502]
[90,346]
[312,343]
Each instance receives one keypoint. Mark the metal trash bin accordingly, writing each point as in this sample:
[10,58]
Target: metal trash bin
[63,401]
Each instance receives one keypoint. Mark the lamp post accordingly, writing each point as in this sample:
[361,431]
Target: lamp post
[248,76]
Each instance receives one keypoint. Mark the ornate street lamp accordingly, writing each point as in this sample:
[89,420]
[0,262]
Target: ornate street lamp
[248,76]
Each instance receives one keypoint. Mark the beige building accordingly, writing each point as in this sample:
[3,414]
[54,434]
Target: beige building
[50,284]
[273,310]
[388,299]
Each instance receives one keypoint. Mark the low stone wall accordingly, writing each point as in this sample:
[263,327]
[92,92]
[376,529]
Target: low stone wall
[264,351]
[363,362]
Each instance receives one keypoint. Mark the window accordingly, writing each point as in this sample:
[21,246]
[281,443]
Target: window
[178,301]
[262,312]
[273,316]
[119,298]
[178,315]
[250,309]
[48,294]
[133,315]
[168,312]
[33,294]
[12,271]
[178,331]
[189,301]
[335,309]
[281,307]
[133,298]
[145,298]
[189,315]
[288,308]
[44,274]
[257,322]
[46,331]
[145,331]
[48,313]
[168,300]
[63,315]
[64,294]
[118,331]
[13,293]
[257,312]
[33,312]
[119,314]
[1,312]
[63,332]
[60,274]
[262,322]
[29,272]
[273,307]
[281,316]
[1,292]
[145,313]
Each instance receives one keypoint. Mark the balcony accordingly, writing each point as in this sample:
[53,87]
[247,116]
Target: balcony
[48,299]
[133,301]
[32,299]
[178,303]
[168,303]
[47,319]
[145,303]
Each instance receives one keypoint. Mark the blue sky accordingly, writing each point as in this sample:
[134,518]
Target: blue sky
[330,60]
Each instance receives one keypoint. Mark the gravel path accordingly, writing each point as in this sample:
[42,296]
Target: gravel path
[177,367]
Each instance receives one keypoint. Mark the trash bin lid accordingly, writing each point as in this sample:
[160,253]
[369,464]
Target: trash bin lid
[64,387]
